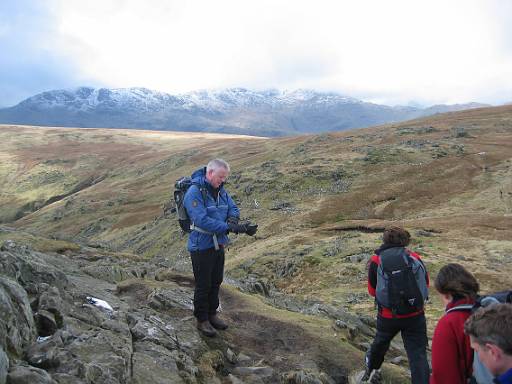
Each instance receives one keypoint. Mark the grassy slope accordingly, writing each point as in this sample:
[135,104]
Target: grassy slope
[446,178]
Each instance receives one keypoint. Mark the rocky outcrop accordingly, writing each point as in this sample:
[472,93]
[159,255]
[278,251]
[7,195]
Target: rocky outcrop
[52,332]
[69,320]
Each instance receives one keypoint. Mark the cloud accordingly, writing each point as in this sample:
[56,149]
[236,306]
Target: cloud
[30,62]
[394,52]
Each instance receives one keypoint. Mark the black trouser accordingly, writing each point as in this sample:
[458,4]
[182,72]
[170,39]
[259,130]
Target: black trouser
[208,266]
[414,335]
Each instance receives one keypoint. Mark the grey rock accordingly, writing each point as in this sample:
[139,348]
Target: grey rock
[17,327]
[170,298]
[4,365]
[348,318]
[143,330]
[231,356]
[114,273]
[64,378]
[398,360]
[45,354]
[28,375]
[28,267]
[153,363]
[51,300]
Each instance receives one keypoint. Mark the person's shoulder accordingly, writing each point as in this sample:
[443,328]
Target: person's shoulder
[447,323]
[416,255]
[375,259]
[193,190]
[454,319]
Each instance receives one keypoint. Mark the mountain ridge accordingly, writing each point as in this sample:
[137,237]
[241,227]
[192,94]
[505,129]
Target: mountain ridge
[232,110]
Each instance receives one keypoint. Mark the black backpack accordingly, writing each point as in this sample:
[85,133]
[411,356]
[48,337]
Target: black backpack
[401,282]
[180,189]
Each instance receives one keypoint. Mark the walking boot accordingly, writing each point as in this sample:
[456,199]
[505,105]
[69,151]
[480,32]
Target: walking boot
[366,375]
[218,323]
[371,376]
[206,328]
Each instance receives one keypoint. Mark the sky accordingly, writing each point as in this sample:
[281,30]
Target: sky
[394,52]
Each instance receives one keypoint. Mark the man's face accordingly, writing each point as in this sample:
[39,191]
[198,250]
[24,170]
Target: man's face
[488,355]
[217,177]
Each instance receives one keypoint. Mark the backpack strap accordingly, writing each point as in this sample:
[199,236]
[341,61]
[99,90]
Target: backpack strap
[462,307]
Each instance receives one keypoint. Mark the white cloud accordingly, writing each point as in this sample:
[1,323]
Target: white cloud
[394,51]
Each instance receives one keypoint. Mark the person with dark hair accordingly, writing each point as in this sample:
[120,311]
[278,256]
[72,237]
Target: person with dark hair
[452,356]
[398,280]
[490,333]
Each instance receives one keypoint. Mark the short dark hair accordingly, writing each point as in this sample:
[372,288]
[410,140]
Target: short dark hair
[457,281]
[396,236]
[493,325]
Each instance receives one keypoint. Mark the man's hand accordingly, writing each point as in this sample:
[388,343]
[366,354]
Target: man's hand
[251,229]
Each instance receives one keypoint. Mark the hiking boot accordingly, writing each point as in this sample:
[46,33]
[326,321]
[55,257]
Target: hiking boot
[206,328]
[366,376]
[218,323]
[376,377]
[372,376]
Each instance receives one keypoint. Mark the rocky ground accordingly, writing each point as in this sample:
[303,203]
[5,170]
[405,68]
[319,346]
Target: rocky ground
[55,328]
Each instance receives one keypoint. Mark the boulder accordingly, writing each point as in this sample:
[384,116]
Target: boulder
[45,354]
[17,327]
[28,267]
[28,375]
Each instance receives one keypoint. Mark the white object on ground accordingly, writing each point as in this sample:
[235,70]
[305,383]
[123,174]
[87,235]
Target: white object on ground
[99,303]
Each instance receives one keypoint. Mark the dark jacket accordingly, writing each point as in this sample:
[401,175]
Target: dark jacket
[210,217]
[452,356]
[373,265]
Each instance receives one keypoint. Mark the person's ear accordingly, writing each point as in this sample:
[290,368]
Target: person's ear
[494,351]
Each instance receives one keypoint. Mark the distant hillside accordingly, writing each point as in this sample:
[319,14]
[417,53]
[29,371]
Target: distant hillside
[235,110]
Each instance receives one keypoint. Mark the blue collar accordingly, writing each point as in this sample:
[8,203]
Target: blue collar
[506,377]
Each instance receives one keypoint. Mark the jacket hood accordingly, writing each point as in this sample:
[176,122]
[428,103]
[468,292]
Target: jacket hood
[199,173]
[199,177]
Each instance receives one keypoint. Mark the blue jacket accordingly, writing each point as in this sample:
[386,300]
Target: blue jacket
[212,216]
[505,378]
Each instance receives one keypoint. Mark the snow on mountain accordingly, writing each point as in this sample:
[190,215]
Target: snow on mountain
[268,112]
[87,98]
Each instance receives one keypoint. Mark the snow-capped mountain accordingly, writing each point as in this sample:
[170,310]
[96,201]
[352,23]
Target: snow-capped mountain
[234,110]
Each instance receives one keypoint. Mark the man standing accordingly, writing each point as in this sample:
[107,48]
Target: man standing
[399,282]
[490,334]
[213,214]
